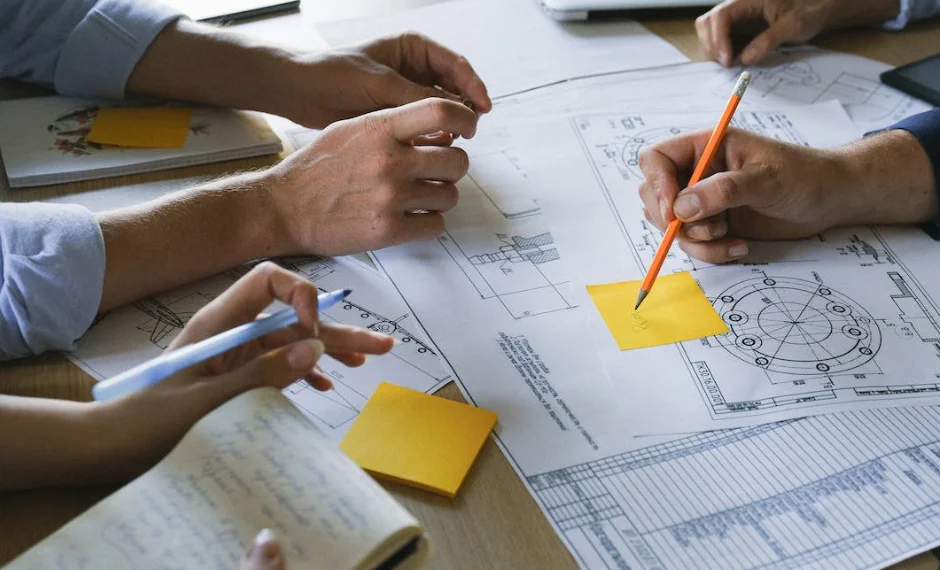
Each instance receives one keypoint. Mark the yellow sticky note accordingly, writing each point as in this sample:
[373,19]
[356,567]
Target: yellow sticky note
[417,439]
[141,127]
[675,310]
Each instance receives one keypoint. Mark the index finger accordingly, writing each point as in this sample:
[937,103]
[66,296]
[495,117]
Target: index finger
[429,116]
[450,69]
[662,163]
[725,16]
[241,303]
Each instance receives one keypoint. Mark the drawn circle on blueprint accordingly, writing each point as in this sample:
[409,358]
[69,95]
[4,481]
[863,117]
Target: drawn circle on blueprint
[630,153]
[794,326]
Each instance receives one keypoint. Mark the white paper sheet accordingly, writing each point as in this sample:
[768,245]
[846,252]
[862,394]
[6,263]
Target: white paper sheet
[853,490]
[128,336]
[809,75]
[840,322]
[514,46]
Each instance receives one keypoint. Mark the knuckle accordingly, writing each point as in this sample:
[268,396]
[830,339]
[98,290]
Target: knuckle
[384,229]
[450,196]
[462,63]
[386,197]
[266,268]
[727,189]
[461,161]
[375,124]
[440,110]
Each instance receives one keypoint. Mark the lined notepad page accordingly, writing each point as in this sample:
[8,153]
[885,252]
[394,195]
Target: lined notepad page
[254,463]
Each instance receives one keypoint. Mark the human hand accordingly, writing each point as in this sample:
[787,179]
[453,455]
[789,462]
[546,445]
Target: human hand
[264,553]
[154,419]
[768,190]
[363,185]
[787,21]
[388,72]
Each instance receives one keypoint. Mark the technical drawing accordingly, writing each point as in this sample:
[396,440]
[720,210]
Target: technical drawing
[500,178]
[630,153]
[167,318]
[520,273]
[791,326]
[311,267]
[866,253]
[800,81]
[386,325]
[914,311]
[639,509]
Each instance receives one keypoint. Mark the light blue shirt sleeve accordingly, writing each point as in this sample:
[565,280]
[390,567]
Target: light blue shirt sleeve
[85,48]
[52,262]
[913,10]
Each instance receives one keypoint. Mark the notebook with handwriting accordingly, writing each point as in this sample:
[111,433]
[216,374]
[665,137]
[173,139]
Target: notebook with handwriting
[253,463]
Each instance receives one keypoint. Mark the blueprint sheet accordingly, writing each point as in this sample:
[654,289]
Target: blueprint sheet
[810,75]
[856,490]
[845,320]
[849,490]
[128,336]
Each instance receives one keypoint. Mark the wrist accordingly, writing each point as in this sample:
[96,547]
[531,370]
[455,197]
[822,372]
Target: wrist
[258,212]
[888,179]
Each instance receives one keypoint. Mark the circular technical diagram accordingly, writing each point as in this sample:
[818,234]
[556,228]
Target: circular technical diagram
[630,154]
[793,326]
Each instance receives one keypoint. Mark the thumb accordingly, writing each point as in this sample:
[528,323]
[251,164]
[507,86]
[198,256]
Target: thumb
[400,91]
[783,30]
[721,192]
[263,554]
[277,368]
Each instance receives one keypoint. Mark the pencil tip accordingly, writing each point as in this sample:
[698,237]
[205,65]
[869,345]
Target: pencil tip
[346,293]
[639,298]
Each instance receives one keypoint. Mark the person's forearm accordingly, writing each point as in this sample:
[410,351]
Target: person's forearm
[187,235]
[47,442]
[203,64]
[884,179]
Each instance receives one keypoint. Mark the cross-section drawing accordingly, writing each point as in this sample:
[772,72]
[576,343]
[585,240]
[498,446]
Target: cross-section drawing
[519,271]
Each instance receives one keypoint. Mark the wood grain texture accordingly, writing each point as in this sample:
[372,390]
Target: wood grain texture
[493,522]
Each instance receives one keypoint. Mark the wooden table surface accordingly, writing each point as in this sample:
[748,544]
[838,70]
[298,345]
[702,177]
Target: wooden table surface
[493,523]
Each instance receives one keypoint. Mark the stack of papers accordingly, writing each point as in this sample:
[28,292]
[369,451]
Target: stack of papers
[45,141]
[513,46]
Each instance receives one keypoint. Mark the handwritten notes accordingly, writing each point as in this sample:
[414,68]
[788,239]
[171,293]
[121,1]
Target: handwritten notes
[141,127]
[417,439]
[675,310]
[254,463]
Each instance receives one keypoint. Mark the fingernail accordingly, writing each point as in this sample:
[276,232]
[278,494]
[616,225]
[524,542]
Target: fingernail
[725,58]
[303,355]
[662,210]
[699,233]
[737,251]
[687,207]
[265,548]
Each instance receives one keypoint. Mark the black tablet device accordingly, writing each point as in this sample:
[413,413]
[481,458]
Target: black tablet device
[920,79]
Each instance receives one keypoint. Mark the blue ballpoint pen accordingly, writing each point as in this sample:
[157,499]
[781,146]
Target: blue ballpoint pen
[170,363]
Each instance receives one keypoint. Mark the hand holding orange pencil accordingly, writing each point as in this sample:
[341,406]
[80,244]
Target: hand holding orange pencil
[710,149]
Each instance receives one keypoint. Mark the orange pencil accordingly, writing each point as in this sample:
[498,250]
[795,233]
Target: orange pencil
[713,142]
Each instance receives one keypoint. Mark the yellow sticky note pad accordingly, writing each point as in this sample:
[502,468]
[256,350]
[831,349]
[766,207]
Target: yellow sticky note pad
[675,310]
[141,127]
[417,439]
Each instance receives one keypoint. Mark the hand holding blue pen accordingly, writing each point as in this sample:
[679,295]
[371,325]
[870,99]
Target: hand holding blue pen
[170,363]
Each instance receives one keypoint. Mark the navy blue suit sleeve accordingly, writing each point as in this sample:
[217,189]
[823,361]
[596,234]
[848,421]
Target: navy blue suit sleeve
[926,129]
